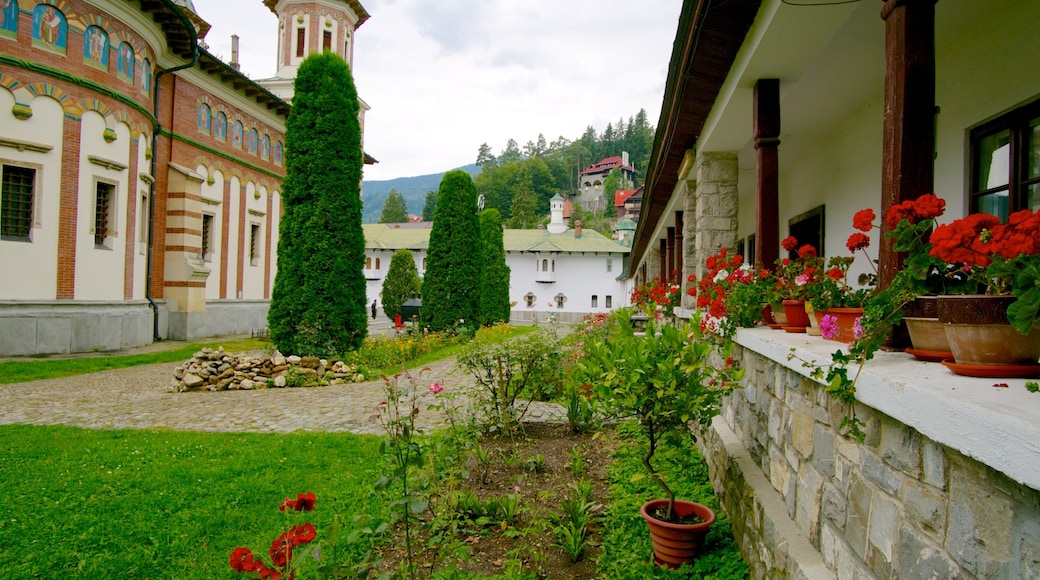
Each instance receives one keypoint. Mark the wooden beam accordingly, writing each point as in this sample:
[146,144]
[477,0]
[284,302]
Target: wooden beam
[767,180]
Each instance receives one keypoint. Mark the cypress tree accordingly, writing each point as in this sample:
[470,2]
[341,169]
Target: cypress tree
[494,274]
[318,301]
[451,286]
[401,283]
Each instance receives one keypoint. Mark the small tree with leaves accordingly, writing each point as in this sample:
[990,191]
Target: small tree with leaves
[451,286]
[401,283]
[318,301]
[395,209]
[494,273]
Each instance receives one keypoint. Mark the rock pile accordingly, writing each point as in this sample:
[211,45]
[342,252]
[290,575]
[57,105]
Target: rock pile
[216,370]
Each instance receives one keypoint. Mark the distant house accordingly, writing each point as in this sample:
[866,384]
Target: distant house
[558,270]
[628,203]
[592,178]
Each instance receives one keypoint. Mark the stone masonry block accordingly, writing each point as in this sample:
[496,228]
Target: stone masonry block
[876,471]
[900,447]
[860,495]
[18,336]
[86,333]
[802,426]
[978,531]
[917,557]
[832,506]
[933,463]
[52,335]
[925,507]
[884,521]
[807,506]
[823,450]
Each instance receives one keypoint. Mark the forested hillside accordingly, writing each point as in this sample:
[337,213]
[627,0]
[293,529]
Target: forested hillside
[413,189]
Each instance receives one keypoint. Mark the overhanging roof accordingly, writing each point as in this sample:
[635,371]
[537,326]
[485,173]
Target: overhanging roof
[706,43]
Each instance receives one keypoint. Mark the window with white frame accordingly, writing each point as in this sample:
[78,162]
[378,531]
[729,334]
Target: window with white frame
[607,301]
[16,202]
[610,265]
[595,301]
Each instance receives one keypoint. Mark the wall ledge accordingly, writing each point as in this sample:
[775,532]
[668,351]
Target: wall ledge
[997,426]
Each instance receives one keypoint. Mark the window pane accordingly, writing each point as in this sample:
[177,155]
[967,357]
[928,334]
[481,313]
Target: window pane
[1033,197]
[1033,148]
[102,204]
[993,203]
[994,160]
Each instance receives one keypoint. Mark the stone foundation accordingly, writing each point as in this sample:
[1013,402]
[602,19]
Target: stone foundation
[908,502]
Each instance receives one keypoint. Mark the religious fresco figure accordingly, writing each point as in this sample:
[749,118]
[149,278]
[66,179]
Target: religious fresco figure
[265,147]
[9,18]
[146,75]
[251,141]
[95,46]
[49,28]
[277,153]
[125,64]
[220,130]
[204,118]
[236,134]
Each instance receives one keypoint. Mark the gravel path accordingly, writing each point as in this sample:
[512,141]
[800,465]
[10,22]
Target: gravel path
[143,398]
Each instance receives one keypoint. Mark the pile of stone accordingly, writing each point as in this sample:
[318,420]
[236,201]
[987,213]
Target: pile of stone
[216,370]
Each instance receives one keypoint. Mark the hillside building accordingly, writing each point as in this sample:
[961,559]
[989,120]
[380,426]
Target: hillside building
[592,179]
[141,175]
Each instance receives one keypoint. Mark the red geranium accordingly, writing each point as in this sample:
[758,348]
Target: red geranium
[863,220]
[857,241]
[789,243]
[304,502]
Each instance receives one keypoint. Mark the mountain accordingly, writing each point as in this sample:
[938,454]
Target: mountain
[413,189]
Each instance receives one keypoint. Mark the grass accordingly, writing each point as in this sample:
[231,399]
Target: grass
[35,370]
[165,504]
[626,542]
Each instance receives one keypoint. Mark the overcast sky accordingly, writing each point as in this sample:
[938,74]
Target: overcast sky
[443,76]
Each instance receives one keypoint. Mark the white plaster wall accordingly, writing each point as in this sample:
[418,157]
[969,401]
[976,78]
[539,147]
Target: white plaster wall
[253,281]
[37,261]
[577,276]
[233,245]
[100,272]
[984,68]
[213,193]
[140,233]
[276,201]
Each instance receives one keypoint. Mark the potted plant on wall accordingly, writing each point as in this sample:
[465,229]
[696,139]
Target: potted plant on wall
[672,377]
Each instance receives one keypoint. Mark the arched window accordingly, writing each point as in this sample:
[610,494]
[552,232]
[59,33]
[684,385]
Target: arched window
[368,263]
[220,127]
[377,263]
[277,153]
[545,265]
[554,265]
[205,117]
[251,141]
[424,264]
[529,299]
[95,46]
[236,135]
[560,299]
[125,64]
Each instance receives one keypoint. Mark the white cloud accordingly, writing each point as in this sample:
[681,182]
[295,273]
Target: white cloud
[443,77]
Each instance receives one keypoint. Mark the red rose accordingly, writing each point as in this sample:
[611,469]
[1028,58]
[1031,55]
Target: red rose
[789,243]
[857,241]
[863,220]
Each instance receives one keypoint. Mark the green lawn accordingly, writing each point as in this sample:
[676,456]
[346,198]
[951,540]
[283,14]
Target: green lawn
[165,504]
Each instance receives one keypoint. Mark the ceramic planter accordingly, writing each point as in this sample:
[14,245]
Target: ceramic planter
[797,319]
[845,322]
[979,334]
[677,544]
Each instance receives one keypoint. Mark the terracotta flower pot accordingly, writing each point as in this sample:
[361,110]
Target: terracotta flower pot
[797,319]
[779,316]
[979,333]
[677,544]
[814,323]
[927,334]
[844,323]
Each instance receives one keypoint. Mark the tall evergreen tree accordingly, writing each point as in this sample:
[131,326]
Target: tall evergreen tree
[429,205]
[523,211]
[318,301]
[401,283]
[494,274]
[395,208]
[451,286]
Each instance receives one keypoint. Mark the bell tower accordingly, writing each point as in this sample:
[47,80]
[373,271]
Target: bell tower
[306,27]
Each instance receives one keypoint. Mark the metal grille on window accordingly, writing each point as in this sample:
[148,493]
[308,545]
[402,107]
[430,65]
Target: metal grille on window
[101,209]
[17,202]
[207,229]
[254,243]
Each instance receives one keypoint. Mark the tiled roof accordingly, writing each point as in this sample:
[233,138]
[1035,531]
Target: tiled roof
[605,165]
[394,237]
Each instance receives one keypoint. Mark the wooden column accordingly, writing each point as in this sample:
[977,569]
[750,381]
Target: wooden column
[670,261]
[680,253]
[662,274]
[909,123]
[767,188]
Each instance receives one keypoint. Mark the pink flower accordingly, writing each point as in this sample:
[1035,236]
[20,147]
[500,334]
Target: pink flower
[829,326]
[436,388]
[802,279]
[857,328]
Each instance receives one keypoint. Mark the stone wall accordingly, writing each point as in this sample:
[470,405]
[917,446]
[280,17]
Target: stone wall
[808,502]
[63,327]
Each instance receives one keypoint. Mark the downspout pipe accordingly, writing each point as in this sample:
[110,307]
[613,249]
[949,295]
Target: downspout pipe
[156,129]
